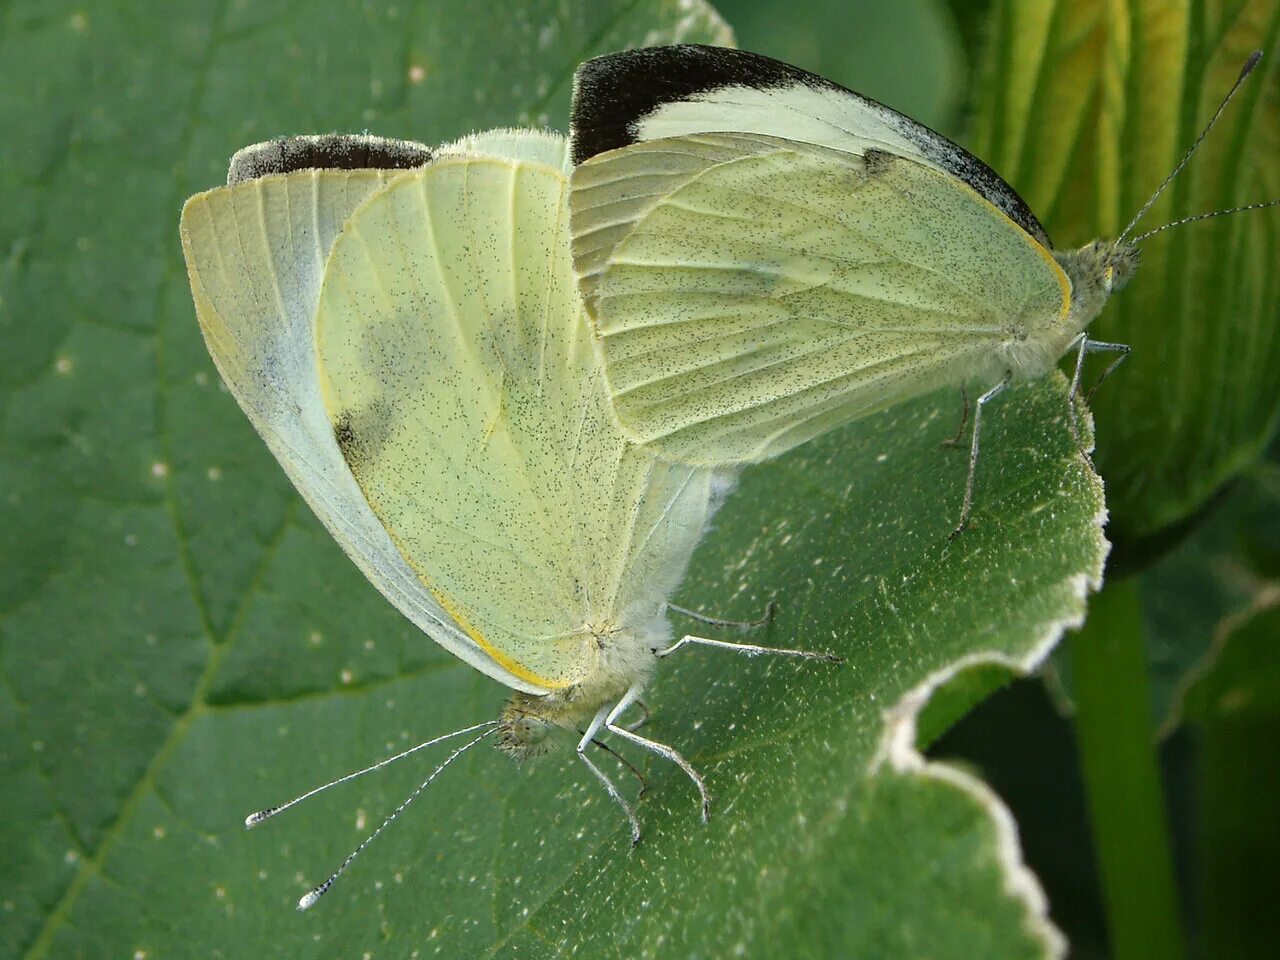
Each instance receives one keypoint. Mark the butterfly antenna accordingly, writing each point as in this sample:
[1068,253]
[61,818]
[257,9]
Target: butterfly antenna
[256,818]
[1205,216]
[309,900]
[1244,72]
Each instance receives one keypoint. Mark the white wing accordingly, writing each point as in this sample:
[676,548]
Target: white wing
[659,92]
[510,143]
[469,401]
[746,305]
[255,255]
[326,151]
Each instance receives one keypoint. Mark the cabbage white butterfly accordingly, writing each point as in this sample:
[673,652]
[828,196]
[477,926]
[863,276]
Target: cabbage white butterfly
[402,327]
[766,255]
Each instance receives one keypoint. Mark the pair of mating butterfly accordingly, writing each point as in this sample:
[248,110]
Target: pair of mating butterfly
[515,375]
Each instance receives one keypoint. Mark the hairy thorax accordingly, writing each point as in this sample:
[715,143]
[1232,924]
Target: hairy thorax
[1035,343]
[623,658]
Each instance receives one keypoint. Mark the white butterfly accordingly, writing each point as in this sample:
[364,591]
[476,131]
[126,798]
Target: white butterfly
[766,255]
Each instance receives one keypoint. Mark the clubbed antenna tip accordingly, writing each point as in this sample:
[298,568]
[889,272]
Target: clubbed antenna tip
[253,819]
[309,900]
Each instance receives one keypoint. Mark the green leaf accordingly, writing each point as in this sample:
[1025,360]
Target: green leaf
[806,851]
[1214,612]
[973,20]
[1240,679]
[181,643]
[1233,707]
[1085,107]
[1193,596]
[1194,593]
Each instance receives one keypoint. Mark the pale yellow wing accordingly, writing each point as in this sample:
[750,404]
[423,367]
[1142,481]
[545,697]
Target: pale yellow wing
[750,293]
[255,256]
[467,397]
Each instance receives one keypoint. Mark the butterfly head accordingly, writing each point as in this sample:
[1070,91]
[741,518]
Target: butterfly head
[1096,271]
[624,659]
[1119,260]
[524,728]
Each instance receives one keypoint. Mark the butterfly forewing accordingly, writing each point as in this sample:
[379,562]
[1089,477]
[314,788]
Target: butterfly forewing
[674,91]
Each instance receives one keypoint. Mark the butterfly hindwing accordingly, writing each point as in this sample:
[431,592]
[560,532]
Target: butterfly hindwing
[256,252]
[769,297]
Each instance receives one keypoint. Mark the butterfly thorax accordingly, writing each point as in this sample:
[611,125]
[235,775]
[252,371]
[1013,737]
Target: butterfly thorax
[623,658]
[1096,271]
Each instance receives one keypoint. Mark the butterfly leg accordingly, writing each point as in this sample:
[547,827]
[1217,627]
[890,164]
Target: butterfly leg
[669,753]
[964,418]
[661,749]
[1097,346]
[1084,348]
[654,746]
[967,506]
[769,610]
[747,649]
[644,716]
[635,771]
[598,721]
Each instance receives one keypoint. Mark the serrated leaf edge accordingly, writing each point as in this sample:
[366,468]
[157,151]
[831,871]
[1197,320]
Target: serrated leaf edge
[897,747]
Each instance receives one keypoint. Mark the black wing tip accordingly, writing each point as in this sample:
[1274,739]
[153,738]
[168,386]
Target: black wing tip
[708,66]
[611,93]
[325,151]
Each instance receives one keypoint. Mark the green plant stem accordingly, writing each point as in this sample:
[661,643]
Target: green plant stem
[1122,780]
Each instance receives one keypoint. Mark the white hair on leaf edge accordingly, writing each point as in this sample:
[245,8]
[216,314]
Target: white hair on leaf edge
[897,748]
